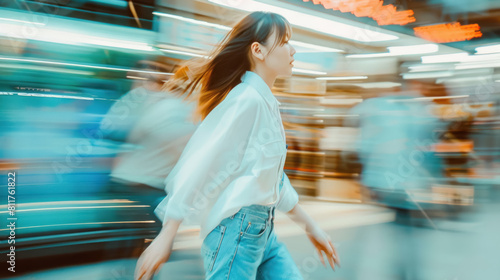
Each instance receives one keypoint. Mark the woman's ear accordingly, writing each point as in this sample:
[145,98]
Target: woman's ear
[257,51]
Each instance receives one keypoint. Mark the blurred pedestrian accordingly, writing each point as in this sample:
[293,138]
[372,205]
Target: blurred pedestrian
[155,122]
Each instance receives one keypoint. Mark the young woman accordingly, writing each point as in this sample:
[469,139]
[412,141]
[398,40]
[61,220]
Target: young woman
[230,176]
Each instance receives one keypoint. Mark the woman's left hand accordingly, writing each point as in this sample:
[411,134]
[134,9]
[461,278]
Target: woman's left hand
[323,244]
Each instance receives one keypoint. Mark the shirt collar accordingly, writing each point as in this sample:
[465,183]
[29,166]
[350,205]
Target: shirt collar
[258,83]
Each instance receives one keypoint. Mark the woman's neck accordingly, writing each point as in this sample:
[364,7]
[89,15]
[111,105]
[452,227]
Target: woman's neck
[265,75]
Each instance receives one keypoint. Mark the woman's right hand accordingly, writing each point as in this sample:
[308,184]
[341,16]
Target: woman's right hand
[158,252]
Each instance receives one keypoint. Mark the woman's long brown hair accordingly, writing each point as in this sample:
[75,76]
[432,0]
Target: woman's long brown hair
[222,71]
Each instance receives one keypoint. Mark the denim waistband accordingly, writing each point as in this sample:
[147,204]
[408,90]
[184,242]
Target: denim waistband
[266,212]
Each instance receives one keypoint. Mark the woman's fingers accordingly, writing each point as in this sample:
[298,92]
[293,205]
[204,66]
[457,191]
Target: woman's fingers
[323,243]
[139,270]
[330,260]
[331,253]
[337,260]
[143,272]
[145,267]
[328,246]
[320,255]
[158,268]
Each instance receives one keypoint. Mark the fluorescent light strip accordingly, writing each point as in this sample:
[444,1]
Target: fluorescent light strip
[23,21]
[465,60]
[99,41]
[342,78]
[369,55]
[493,64]
[314,47]
[482,58]
[305,71]
[444,58]
[429,68]
[415,49]
[312,22]
[46,95]
[488,49]
[69,38]
[427,75]
[83,65]
[136,78]
[194,21]
[401,50]
[46,68]
[469,80]
[184,53]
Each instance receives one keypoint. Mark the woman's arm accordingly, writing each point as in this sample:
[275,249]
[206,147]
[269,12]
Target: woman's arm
[298,215]
[316,235]
[158,252]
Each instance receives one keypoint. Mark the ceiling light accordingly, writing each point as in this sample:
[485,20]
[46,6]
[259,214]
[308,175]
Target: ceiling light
[444,58]
[69,38]
[313,47]
[369,55]
[83,65]
[480,61]
[52,95]
[316,23]
[478,65]
[136,78]
[22,21]
[488,49]
[415,49]
[184,53]
[402,50]
[427,75]
[468,80]
[429,67]
[194,21]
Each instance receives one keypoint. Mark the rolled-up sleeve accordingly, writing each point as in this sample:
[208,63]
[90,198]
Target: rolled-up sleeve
[288,196]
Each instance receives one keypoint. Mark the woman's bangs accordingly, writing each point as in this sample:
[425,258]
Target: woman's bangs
[283,31]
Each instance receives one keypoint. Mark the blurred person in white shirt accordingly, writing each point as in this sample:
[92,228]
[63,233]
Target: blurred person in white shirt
[155,125]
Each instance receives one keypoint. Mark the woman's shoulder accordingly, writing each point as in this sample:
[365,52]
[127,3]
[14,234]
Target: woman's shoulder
[245,94]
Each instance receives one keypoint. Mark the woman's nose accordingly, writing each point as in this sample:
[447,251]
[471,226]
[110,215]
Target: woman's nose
[292,50]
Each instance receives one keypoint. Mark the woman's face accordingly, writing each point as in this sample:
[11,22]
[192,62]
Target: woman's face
[279,60]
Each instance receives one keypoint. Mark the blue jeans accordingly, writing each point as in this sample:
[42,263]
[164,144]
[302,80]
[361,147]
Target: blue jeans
[244,247]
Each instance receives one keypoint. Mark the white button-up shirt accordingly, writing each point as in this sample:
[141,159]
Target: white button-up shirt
[234,159]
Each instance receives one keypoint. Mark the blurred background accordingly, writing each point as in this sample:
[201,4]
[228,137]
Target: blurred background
[392,120]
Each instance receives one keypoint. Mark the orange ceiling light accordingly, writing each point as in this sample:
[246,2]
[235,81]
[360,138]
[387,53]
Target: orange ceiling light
[448,32]
[384,15]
